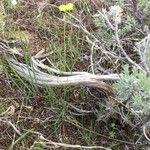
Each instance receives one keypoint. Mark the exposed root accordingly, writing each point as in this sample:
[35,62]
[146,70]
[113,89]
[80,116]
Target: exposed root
[36,75]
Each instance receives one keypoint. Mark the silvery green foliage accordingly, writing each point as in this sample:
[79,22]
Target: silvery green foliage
[143,49]
[13,2]
[115,14]
[123,12]
[104,31]
[110,2]
[134,91]
[124,22]
[144,7]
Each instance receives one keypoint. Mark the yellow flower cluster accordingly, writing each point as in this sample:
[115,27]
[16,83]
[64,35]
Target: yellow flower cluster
[67,7]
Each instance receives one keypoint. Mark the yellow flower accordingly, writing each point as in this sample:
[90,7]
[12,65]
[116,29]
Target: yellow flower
[62,7]
[67,7]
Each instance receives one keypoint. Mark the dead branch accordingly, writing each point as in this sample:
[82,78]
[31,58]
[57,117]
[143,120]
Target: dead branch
[36,75]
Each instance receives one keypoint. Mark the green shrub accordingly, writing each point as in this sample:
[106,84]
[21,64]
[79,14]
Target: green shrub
[134,91]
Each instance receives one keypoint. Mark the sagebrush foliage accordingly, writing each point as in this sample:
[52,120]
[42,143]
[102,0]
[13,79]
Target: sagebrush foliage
[134,86]
[134,91]
[130,23]
[144,7]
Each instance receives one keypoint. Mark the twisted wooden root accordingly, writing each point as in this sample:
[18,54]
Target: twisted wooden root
[39,74]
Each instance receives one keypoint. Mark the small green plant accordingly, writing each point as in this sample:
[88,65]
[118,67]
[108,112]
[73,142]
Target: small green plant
[11,3]
[112,134]
[144,7]
[133,90]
